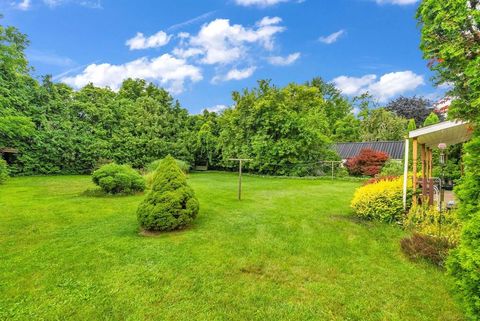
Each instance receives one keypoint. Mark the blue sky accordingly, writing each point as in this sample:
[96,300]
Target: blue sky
[203,50]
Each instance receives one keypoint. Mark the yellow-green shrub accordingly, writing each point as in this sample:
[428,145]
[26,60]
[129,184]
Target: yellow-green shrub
[382,201]
[426,220]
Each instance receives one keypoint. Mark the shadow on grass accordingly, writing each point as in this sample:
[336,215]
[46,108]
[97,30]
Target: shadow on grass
[98,192]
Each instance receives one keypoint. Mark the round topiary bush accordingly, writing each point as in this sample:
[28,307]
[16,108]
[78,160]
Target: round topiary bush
[171,204]
[3,170]
[115,179]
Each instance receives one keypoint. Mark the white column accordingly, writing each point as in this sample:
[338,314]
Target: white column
[405,174]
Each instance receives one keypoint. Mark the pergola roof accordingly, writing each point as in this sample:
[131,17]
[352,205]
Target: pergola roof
[448,132]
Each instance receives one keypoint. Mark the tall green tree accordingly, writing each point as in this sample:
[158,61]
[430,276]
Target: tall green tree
[16,87]
[284,130]
[451,41]
[380,124]
[432,119]
[417,108]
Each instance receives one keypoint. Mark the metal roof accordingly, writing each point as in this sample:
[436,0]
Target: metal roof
[394,149]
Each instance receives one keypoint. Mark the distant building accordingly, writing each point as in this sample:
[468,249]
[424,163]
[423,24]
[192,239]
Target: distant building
[394,149]
[441,107]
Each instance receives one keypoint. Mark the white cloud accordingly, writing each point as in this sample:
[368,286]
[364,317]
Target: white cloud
[94,4]
[259,3]
[217,108]
[383,88]
[235,74]
[284,61]
[165,70]
[332,37]
[23,5]
[353,85]
[219,42]
[141,42]
[397,2]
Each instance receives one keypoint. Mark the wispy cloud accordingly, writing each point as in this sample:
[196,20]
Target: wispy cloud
[397,2]
[332,37]
[49,58]
[93,4]
[217,108]
[192,21]
[22,5]
[235,74]
[154,41]
[284,61]
[259,3]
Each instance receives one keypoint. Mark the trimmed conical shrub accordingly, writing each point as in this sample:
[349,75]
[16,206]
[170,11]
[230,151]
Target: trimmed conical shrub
[171,204]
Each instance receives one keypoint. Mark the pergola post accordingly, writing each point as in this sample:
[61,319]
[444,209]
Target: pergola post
[424,171]
[414,162]
[405,173]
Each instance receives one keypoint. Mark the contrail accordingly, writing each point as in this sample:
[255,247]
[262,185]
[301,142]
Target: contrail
[194,20]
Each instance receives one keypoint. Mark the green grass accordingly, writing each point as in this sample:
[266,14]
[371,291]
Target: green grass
[289,251]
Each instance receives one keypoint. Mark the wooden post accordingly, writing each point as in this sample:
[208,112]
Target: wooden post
[430,159]
[405,173]
[424,171]
[414,159]
[332,171]
[240,160]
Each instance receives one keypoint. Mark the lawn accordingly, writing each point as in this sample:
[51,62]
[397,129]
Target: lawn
[289,251]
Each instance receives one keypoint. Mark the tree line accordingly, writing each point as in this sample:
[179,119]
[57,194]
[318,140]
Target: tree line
[284,130]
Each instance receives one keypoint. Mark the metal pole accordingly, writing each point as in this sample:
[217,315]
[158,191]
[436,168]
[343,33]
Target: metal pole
[240,181]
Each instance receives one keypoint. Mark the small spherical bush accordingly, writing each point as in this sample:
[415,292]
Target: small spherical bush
[114,179]
[171,204]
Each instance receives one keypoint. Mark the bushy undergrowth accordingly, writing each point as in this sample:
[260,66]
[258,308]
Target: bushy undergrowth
[392,167]
[381,201]
[118,179]
[428,220]
[170,204]
[3,171]
[433,249]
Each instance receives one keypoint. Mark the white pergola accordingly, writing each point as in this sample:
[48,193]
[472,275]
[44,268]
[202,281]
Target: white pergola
[429,138]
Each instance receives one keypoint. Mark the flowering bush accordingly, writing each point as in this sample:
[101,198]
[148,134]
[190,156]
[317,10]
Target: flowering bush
[382,201]
[428,220]
[380,179]
[368,162]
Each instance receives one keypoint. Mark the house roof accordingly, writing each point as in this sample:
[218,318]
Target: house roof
[394,149]
[448,132]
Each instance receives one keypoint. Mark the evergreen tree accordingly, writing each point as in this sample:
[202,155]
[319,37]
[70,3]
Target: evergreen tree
[170,204]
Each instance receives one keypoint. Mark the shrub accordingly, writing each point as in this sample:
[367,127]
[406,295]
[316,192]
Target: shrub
[170,204]
[426,220]
[3,171]
[464,265]
[115,179]
[368,162]
[426,247]
[152,167]
[392,168]
[380,201]
[377,179]
[184,166]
